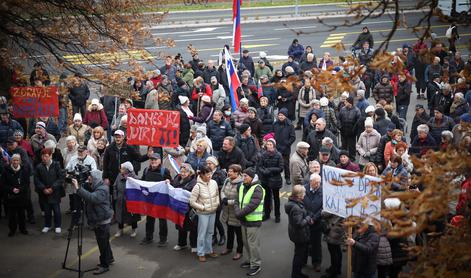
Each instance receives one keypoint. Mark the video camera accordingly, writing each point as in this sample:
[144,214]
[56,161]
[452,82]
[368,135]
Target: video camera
[80,173]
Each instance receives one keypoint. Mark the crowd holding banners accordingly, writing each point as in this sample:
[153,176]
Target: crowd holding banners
[230,145]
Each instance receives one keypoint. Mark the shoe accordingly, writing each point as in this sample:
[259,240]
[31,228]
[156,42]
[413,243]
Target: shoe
[202,259]
[133,233]
[317,267]
[10,234]
[277,219]
[213,255]
[222,240]
[118,233]
[146,241]
[101,270]
[194,250]
[288,182]
[245,265]
[215,240]
[178,247]
[298,127]
[254,271]
[237,256]
[58,230]
[45,230]
[25,232]
[162,243]
[109,263]
[225,252]
[265,218]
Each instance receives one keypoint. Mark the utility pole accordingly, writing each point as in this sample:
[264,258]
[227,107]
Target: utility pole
[296,8]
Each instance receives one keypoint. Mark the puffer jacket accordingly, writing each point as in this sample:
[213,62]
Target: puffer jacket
[249,147]
[298,221]
[7,129]
[383,91]
[265,114]
[384,256]
[284,136]
[436,128]
[365,251]
[367,146]
[94,118]
[269,167]
[217,132]
[404,91]
[49,178]
[347,119]
[230,191]
[205,196]
[304,106]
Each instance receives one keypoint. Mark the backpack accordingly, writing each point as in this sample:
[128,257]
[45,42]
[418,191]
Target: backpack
[449,32]
[162,171]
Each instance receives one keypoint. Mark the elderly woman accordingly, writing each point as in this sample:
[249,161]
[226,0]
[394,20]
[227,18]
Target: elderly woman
[186,180]
[78,129]
[121,213]
[97,134]
[205,200]
[458,107]
[95,115]
[219,176]
[70,149]
[99,153]
[398,171]
[22,143]
[15,186]
[198,158]
[368,142]
[229,193]
[117,118]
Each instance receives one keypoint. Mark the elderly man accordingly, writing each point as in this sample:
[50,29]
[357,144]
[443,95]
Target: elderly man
[313,204]
[423,141]
[314,139]
[39,138]
[7,126]
[334,150]
[298,166]
[324,157]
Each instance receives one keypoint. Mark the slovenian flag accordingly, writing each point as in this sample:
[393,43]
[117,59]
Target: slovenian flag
[259,89]
[157,199]
[236,32]
[174,163]
[232,78]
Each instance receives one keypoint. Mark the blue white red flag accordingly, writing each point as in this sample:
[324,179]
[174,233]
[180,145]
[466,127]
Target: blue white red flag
[236,32]
[157,199]
[174,163]
[232,78]
[259,89]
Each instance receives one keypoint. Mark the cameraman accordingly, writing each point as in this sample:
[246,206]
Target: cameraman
[83,159]
[98,210]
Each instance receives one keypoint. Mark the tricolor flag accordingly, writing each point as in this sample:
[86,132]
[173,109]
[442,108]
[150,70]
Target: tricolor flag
[236,32]
[259,89]
[157,199]
[232,78]
[174,163]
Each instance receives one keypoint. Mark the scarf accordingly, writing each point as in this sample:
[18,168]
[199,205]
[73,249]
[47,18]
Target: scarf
[455,105]
[16,169]
[187,111]
[307,92]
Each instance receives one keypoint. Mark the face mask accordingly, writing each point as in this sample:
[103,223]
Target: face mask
[227,113]
[394,141]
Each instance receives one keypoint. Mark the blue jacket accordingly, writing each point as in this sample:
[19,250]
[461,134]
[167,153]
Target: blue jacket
[217,133]
[296,51]
[7,130]
[313,203]
[195,161]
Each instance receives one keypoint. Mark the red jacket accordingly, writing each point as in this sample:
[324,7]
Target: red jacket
[25,145]
[156,80]
[464,196]
[207,91]
[94,118]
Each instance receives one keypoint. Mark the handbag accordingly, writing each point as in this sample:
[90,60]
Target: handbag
[192,216]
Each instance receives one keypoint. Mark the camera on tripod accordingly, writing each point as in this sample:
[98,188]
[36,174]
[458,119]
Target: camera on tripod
[80,173]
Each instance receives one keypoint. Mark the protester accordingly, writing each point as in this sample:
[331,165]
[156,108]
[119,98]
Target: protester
[367,144]
[298,166]
[334,235]
[365,247]
[95,115]
[78,129]
[313,204]
[285,137]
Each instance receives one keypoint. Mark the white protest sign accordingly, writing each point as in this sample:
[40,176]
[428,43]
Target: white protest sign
[335,198]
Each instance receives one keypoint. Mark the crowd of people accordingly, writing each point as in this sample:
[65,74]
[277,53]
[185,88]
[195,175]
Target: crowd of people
[234,162]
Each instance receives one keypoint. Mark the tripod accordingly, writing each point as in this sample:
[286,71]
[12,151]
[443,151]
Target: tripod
[78,226]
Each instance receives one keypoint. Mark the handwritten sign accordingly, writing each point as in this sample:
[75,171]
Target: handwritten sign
[335,198]
[157,128]
[32,102]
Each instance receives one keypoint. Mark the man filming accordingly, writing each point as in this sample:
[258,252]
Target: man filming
[99,213]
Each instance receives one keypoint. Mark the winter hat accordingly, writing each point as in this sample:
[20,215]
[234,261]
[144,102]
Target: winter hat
[95,101]
[243,128]
[324,101]
[262,54]
[392,203]
[253,109]
[343,152]
[466,118]
[119,132]
[350,100]
[345,94]
[302,145]
[41,125]
[369,109]
[157,72]
[213,160]
[128,166]
[316,101]
[369,122]
[269,136]
[250,172]
[77,117]
[380,112]
[50,144]
[155,156]
[183,99]
[361,93]
[272,140]
[206,99]
[244,101]
[201,129]
[18,132]
[289,69]
[283,111]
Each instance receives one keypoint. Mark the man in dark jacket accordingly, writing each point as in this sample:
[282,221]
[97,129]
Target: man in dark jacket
[348,117]
[78,95]
[285,137]
[384,90]
[230,154]
[313,204]
[433,88]
[296,50]
[443,99]
[99,213]
[246,143]
[155,172]
[8,126]
[365,36]
[420,117]
[314,139]
[381,124]
[210,71]
[217,130]
[299,221]
[365,248]
[249,210]
[404,90]
[247,61]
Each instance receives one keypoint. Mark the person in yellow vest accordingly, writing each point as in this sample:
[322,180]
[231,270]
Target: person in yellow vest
[249,210]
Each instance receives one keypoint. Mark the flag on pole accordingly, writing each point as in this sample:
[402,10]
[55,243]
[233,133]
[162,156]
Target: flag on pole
[259,89]
[232,78]
[237,33]
[174,163]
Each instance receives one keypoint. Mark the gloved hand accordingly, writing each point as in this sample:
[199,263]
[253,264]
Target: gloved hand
[224,201]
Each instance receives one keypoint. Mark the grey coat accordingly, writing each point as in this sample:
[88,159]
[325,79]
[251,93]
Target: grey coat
[230,190]
[119,193]
[367,146]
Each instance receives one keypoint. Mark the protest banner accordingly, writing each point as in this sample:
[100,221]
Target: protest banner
[33,102]
[156,128]
[336,198]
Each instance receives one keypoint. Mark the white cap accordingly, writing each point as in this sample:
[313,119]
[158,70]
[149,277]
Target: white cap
[324,101]
[392,203]
[361,92]
[206,98]
[128,166]
[302,145]
[369,109]
[119,132]
[262,54]
[50,144]
[369,122]
[345,94]
[244,100]
[77,117]
[183,99]
[95,101]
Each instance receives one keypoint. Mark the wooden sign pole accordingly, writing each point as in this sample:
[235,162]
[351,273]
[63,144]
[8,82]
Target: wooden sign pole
[349,254]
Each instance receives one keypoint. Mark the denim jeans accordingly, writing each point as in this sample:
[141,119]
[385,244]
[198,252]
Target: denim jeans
[48,209]
[402,111]
[205,233]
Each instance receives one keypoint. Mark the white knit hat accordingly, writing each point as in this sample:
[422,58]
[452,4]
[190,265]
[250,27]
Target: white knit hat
[369,109]
[392,203]
[77,117]
[324,101]
[213,160]
[128,166]
[50,144]
[369,122]
[183,99]
[206,99]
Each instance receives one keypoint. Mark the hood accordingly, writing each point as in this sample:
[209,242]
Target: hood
[96,178]
[239,179]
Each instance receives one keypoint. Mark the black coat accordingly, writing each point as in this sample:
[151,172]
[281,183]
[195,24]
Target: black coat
[248,63]
[150,174]
[289,102]
[347,119]
[313,203]
[284,136]
[236,156]
[10,180]
[418,120]
[217,132]
[114,157]
[269,167]
[314,139]
[265,114]
[79,95]
[364,253]
[441,100]
[249,147]
[52,178]
[381,125]
[404,90]
[184,128]
[298,221]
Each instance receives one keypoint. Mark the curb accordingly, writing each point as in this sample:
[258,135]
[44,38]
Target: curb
[182,24]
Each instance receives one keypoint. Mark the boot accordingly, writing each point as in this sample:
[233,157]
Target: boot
[222,240]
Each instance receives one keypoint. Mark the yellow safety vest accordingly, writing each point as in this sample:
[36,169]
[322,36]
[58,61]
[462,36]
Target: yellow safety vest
[244,200]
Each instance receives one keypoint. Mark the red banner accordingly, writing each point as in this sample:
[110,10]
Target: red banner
[157,128]
[33,102]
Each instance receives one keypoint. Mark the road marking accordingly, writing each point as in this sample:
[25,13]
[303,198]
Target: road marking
[206,29]
[333,39]
[205,34]
[206,39]
[103,58]
[295,28]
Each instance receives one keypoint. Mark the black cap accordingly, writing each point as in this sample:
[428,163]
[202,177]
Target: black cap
[243,128]
[343,152]
[417,106]
[435,75]
[11,140]
[245,51]
[154,156]
[324,149]
[250,172]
